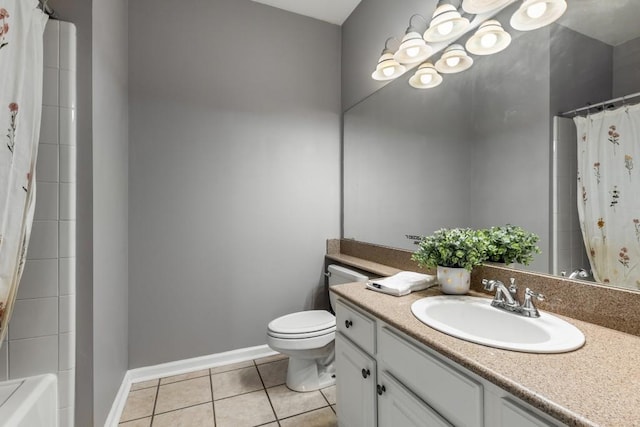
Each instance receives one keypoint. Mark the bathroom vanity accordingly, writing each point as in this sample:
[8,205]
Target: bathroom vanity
[394,370]
[379,366]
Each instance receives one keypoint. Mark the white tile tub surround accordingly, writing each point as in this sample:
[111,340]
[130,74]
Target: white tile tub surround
[42,330]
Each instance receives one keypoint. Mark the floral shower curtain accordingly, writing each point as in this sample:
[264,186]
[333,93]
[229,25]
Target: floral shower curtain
[21,65]
[609,193]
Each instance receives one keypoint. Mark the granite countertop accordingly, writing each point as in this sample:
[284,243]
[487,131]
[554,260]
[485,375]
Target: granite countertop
[596,385]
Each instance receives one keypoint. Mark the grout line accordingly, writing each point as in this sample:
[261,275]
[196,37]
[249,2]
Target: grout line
[134,419]
[155,402]
[325,397]
[180,409]
[213,405]
[264,388]
[305,412]
[183,380]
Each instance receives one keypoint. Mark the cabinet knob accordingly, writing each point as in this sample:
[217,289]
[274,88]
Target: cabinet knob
[348,323]
[381,389]
[365,373]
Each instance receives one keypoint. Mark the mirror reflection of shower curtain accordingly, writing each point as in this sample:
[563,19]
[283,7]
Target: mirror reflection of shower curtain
[609,193]
[21,66]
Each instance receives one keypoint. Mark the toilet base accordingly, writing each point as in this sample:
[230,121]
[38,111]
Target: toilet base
[305,375]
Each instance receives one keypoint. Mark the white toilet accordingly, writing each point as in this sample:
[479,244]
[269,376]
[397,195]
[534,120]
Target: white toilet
[308,338]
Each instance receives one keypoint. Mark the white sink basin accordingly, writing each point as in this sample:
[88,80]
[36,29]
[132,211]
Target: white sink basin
[474,319]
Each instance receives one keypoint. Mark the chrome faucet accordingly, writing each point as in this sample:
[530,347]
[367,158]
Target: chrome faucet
[579,273]
[575,274]
[504,298]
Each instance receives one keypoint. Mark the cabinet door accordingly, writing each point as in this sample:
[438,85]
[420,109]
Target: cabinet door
[512,414]
[397,406]
[355,385]
[456,396]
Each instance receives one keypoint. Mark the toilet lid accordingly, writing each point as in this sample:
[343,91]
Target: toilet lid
[303,322]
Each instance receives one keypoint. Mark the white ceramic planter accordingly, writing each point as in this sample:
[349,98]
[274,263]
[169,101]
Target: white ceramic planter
[454,281]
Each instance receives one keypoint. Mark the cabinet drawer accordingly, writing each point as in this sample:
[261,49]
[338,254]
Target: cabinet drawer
[356,326]
[452,394]
[399,406]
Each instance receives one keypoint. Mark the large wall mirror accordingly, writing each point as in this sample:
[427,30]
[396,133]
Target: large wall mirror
[478,150]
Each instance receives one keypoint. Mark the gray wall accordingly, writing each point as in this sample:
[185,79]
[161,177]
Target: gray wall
[110,200]
[80,13]
[626,68]
[234,172]
[581,71]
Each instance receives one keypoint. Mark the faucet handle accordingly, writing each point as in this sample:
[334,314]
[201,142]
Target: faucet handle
[529,293]
[513,288]
[527,308]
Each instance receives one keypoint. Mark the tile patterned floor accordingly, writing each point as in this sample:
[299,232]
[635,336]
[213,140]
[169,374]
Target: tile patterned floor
[246,394]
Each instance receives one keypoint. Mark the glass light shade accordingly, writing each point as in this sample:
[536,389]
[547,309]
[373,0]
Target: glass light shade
[534,14]
[446,24]
[483,6]
[388,68]
[412,49]
[454,60]
[490,38]
[425,77]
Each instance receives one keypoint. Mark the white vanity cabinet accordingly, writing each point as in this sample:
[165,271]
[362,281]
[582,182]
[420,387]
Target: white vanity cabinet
[355,364]
[385,378]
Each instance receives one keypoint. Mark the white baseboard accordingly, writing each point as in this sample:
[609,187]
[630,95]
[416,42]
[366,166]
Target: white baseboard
[176,368]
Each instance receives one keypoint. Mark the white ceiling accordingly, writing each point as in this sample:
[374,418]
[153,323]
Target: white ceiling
[610,21]
[332,11]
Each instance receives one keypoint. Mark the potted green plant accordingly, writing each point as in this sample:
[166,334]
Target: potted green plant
[453,252]
[511,244]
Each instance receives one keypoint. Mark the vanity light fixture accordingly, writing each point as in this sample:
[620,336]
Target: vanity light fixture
[447,24]
[483,6]
[387,68]
[426,77]
[413,48]
[490,38]
[454,60]
[534,14]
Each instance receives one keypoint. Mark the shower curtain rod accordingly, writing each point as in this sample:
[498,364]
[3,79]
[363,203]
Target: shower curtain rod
[47,9]
[600,104]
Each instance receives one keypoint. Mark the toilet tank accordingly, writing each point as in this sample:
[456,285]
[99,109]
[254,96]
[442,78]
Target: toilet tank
[338,275]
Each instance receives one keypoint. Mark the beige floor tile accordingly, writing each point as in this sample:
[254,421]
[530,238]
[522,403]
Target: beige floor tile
[274,424]
[245,410]
[324,417]
[232,367]
[144,384]
[334,408]
[270,359]
[287,403]
[194,416]
[182,394]
[142,422]
[182,377]
[232,383]
[330,394]
[274,373]
[139,404]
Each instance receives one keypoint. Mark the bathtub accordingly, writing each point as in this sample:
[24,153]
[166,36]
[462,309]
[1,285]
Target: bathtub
[29,402]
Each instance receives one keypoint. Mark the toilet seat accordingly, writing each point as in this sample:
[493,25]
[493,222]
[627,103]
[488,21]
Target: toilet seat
[303,324]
